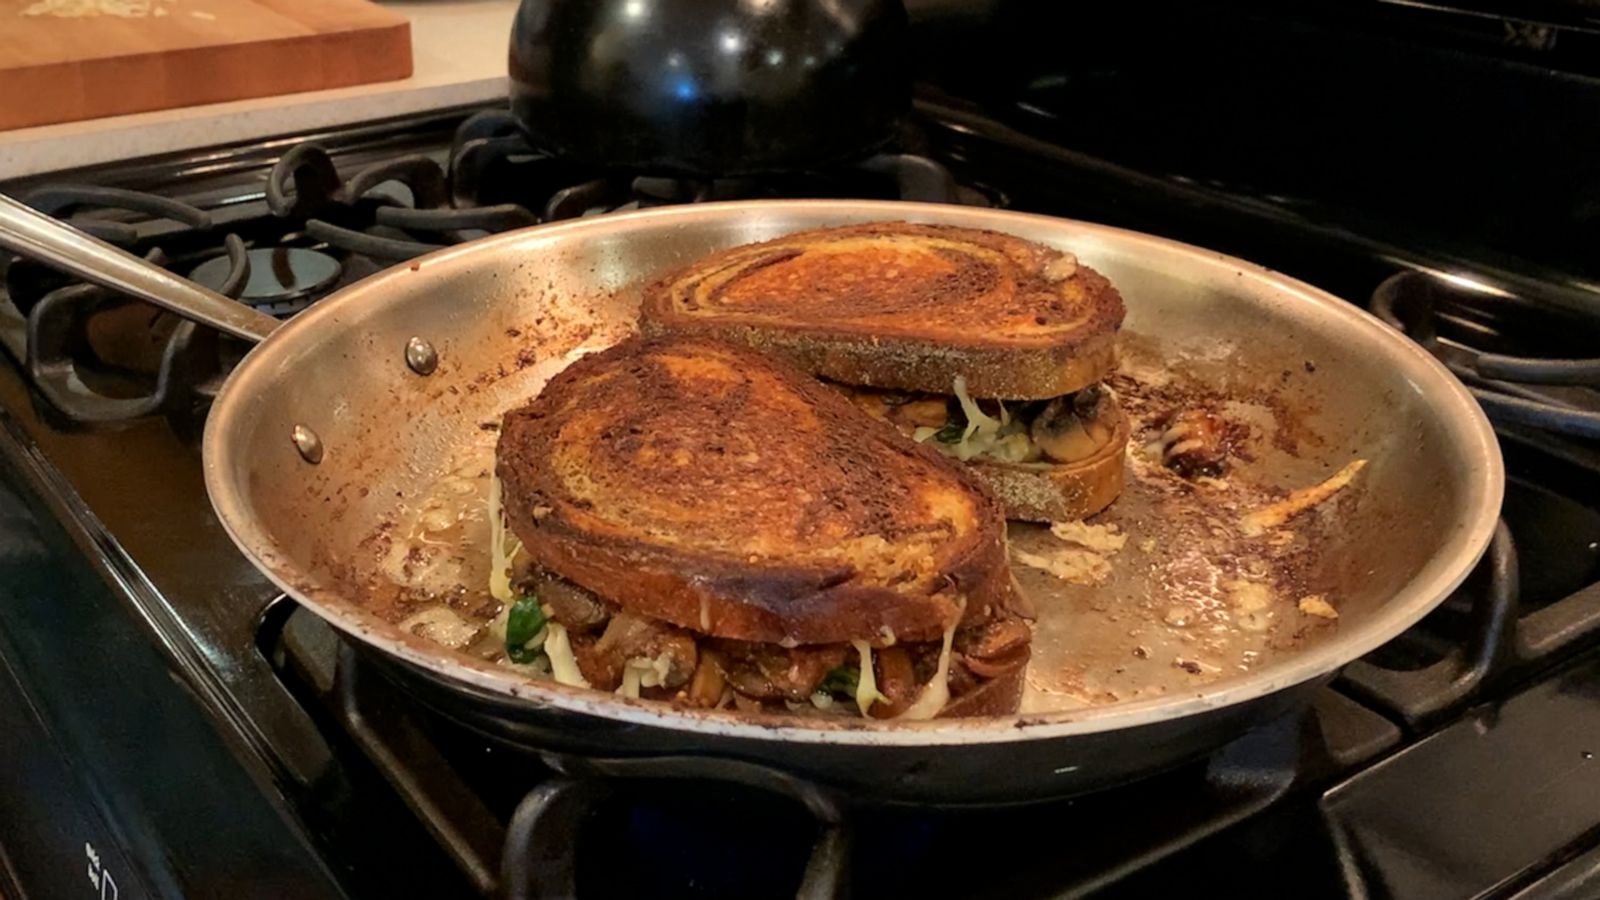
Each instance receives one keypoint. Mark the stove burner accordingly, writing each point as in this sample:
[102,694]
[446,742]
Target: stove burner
[280,280]
[1505,349]
[334,213]
[402,801]
[494,181]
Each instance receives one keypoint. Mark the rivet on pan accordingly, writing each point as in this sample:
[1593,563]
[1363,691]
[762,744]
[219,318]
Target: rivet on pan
[421,356]
[307,442]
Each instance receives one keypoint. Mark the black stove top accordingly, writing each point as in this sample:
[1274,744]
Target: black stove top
[170,725]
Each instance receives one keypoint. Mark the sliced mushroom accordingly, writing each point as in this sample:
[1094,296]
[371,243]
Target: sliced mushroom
[632,637]
[962,679]
[897,681]
[1076,427]
[574,607]
[905,410]
[873,403]
[1193,444]
[999,639]
[926,412]
[705,688]
[769,672]
[995,648]
[603,671]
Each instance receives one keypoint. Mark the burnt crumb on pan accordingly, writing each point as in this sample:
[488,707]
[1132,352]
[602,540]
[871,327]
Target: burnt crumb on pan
[1310,366]
[489,426]
[526,357]
[513,332]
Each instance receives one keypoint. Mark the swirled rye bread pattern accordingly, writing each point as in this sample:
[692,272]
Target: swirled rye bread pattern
[756,538]
[897,312]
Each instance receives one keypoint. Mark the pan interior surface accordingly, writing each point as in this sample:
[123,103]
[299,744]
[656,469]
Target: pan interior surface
[359,537]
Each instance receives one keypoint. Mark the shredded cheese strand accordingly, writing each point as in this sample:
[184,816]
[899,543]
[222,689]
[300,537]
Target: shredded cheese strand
[563,665]
[867,684]
[979,423]
[631,678]
[935,694]
[504,547]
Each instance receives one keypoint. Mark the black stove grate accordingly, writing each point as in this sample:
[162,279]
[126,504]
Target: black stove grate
[1524,361]
[527,825]
[1281,812]
[465,788]
[1506,622]
[493,181]
[324,219]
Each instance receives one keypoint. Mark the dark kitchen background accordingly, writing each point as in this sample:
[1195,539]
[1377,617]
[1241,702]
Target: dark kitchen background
[171,725]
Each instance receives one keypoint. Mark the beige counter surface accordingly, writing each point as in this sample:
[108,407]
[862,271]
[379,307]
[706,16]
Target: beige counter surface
[459,51]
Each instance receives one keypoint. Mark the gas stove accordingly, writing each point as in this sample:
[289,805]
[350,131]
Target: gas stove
[174,726]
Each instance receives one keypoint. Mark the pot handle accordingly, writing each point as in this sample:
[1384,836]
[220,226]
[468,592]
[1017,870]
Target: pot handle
[33,234]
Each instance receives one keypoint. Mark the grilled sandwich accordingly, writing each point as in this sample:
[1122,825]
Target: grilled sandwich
[694,522]
[984,346]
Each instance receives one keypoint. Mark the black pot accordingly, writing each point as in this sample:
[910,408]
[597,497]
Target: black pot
[709,87]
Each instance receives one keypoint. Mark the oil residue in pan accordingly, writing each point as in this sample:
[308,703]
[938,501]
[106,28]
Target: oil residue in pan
[1188,592]
[1164,590]
[1167,590]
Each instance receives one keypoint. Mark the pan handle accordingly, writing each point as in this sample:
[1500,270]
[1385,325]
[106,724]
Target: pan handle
[33,234]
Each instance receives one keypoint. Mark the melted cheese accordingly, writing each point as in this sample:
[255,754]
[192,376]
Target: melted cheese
[1099,538]
[1003,439]
[1317,605]
[1069,564]
[982,429]
[630,682]
[936,693]
[867,684]
[644,672]
[563,665]
[504,547]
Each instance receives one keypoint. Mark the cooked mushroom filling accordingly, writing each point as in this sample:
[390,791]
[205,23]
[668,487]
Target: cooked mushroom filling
[1060,430]
[604,647]
[1194,443]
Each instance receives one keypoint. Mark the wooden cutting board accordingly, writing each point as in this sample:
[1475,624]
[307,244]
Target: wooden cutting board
[64,60]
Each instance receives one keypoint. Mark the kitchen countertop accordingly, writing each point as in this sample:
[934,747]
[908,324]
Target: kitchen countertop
[459,57]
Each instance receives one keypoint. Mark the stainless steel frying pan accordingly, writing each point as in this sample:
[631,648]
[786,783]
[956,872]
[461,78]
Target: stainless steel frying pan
[340,426]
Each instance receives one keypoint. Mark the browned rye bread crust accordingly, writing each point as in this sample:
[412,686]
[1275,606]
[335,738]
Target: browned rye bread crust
[700,496]
[894,312]
[903,306]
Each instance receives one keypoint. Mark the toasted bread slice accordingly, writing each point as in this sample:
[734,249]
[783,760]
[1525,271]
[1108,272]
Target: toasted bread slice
[1059,492]
[731,495]
[904,306]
